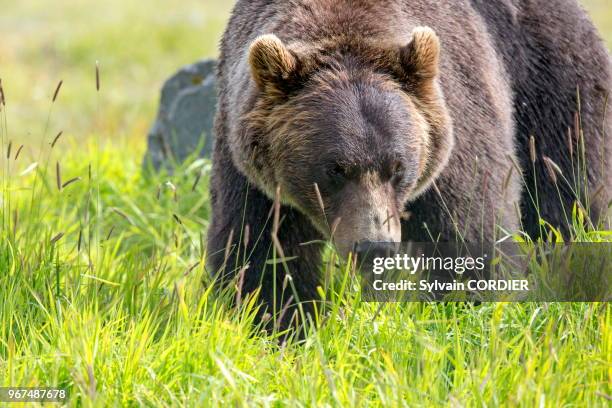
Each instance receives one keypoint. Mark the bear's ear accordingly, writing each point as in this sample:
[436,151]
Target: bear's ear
[273,65]
[420,58]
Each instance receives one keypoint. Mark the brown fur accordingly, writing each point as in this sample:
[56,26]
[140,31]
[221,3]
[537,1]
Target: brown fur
[386,106]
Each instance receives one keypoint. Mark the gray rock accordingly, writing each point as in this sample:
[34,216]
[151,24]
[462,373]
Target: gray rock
[185,117]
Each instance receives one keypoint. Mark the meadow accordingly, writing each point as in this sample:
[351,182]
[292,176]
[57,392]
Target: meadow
[103,287]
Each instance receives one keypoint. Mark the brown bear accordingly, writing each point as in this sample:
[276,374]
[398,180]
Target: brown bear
[399,119]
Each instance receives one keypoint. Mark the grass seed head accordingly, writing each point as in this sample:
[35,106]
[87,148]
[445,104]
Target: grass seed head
[71,181]
[247,236]
[570,142]
[577,126]
[197,181]
[532,149]
[507,179]
[319,198]
[552,168]
[58,176]
[56,238]
[2,100]
[55,140]
[97,76]
[57,89]
[80,240]
[110,233]
[276,221]
[18,152]
[485,184]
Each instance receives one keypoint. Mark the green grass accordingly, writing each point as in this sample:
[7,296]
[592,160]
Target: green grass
[138,45]
[102,283]
[127,316]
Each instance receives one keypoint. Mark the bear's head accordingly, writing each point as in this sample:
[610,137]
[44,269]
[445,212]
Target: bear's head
[350,130]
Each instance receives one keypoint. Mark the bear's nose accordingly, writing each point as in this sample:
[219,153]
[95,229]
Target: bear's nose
[367,251]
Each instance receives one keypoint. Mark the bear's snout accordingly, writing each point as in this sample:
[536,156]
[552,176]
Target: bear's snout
[368,215]
[367,251]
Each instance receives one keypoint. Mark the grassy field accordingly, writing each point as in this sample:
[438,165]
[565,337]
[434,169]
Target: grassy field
[101,266]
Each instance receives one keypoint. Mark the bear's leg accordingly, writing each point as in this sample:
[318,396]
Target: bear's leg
[241,252]
[558,67]
[561,102]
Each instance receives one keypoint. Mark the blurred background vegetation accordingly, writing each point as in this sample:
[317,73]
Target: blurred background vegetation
[138,44]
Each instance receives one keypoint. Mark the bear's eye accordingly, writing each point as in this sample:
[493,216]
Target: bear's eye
[397,172]
[336,172]
[398,167]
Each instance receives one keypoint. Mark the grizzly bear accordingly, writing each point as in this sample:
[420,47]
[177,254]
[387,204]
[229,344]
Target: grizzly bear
[389,120]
